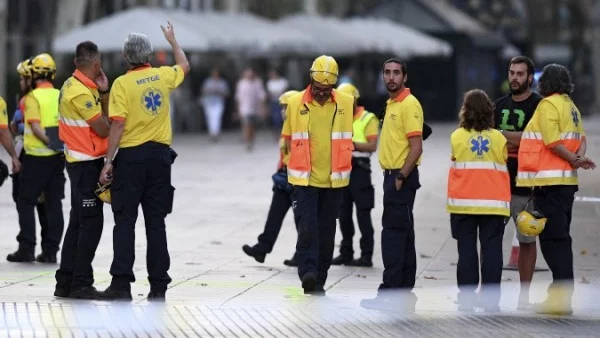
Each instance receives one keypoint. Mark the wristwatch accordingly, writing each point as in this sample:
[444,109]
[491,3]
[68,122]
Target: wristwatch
[103,91]
[400,176]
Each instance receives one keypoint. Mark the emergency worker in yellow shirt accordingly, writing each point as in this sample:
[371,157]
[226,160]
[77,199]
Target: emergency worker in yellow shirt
[6,139]
[280,203]
[318,132]
[400,149]
[360,192]
[43,165]
[552,148]
[83,127]
[141,131]
[478,201]
[17,127]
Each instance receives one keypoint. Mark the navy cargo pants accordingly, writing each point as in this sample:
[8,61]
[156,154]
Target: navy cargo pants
[280,204]
[316,210]
[360,192]
[398,234]
[142,175]
[41,174]
[85,226]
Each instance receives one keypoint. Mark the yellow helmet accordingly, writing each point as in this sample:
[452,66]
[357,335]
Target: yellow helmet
[283,99]
[103,193]
[24,68]
[349,89]
[324,70]
[43,64]
[531,223]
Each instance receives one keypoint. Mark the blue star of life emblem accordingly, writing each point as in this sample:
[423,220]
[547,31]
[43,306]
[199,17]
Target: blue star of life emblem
[575,116]
[480,145]
[89,105]
[152,101]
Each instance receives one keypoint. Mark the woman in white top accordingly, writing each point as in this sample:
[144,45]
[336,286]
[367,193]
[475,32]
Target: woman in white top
[214,92]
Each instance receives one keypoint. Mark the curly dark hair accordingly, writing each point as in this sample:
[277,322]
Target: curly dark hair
[477,111]
[555,79]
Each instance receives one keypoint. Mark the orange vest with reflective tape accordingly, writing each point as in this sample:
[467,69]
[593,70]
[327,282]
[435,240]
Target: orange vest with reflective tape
[81,141]
[538,165]
[478,181]
[299,163]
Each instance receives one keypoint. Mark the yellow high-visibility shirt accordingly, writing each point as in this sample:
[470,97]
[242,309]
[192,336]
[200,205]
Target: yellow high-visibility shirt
[3,114]
[141,98]
[403,119]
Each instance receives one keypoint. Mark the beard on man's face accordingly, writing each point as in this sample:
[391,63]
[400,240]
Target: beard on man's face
[393,86]
[517,88]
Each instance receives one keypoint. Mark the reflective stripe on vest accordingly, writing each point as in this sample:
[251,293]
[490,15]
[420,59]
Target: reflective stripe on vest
[299,163]
[358,128]
[481,188]
[479,165]
[81,142]
[539,166]
[47,99]
[478,203]
[478,181]
[342,141]
[300,136]
[78,156]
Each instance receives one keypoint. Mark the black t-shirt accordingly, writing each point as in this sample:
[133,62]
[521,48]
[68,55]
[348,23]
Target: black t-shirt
[510,115]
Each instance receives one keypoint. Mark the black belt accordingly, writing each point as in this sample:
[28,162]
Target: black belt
[389,172]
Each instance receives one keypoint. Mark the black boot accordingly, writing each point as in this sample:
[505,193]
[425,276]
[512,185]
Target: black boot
[113,293]
[292,261]
[341,260]
[20,256]
[156,296]
[309,282]
[363,261]
[255,253]
[86,292]
[45,257]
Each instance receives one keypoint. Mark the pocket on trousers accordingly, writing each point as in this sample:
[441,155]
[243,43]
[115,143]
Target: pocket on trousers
[171,198]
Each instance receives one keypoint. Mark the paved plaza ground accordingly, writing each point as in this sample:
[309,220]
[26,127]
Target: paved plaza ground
[222,197]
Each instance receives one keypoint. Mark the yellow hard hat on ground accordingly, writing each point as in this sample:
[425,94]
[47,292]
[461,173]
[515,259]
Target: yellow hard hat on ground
[44,65]
[283,99]
[531,223]
[24,68]
[349,89]
[103,193]
[324,70]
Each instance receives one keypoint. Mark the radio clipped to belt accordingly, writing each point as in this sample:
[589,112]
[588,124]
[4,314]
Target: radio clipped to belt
[103,192]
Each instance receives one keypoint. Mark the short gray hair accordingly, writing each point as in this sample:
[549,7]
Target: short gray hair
[137,49]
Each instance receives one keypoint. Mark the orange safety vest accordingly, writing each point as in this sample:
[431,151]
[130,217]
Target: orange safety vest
[81,141]
[478,181]
[299,164]
[538,165]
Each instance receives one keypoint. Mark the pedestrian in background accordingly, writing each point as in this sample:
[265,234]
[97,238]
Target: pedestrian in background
[214,92]
[250,99]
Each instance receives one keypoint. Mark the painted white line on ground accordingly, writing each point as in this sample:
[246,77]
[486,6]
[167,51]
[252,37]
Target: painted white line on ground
[587,199]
